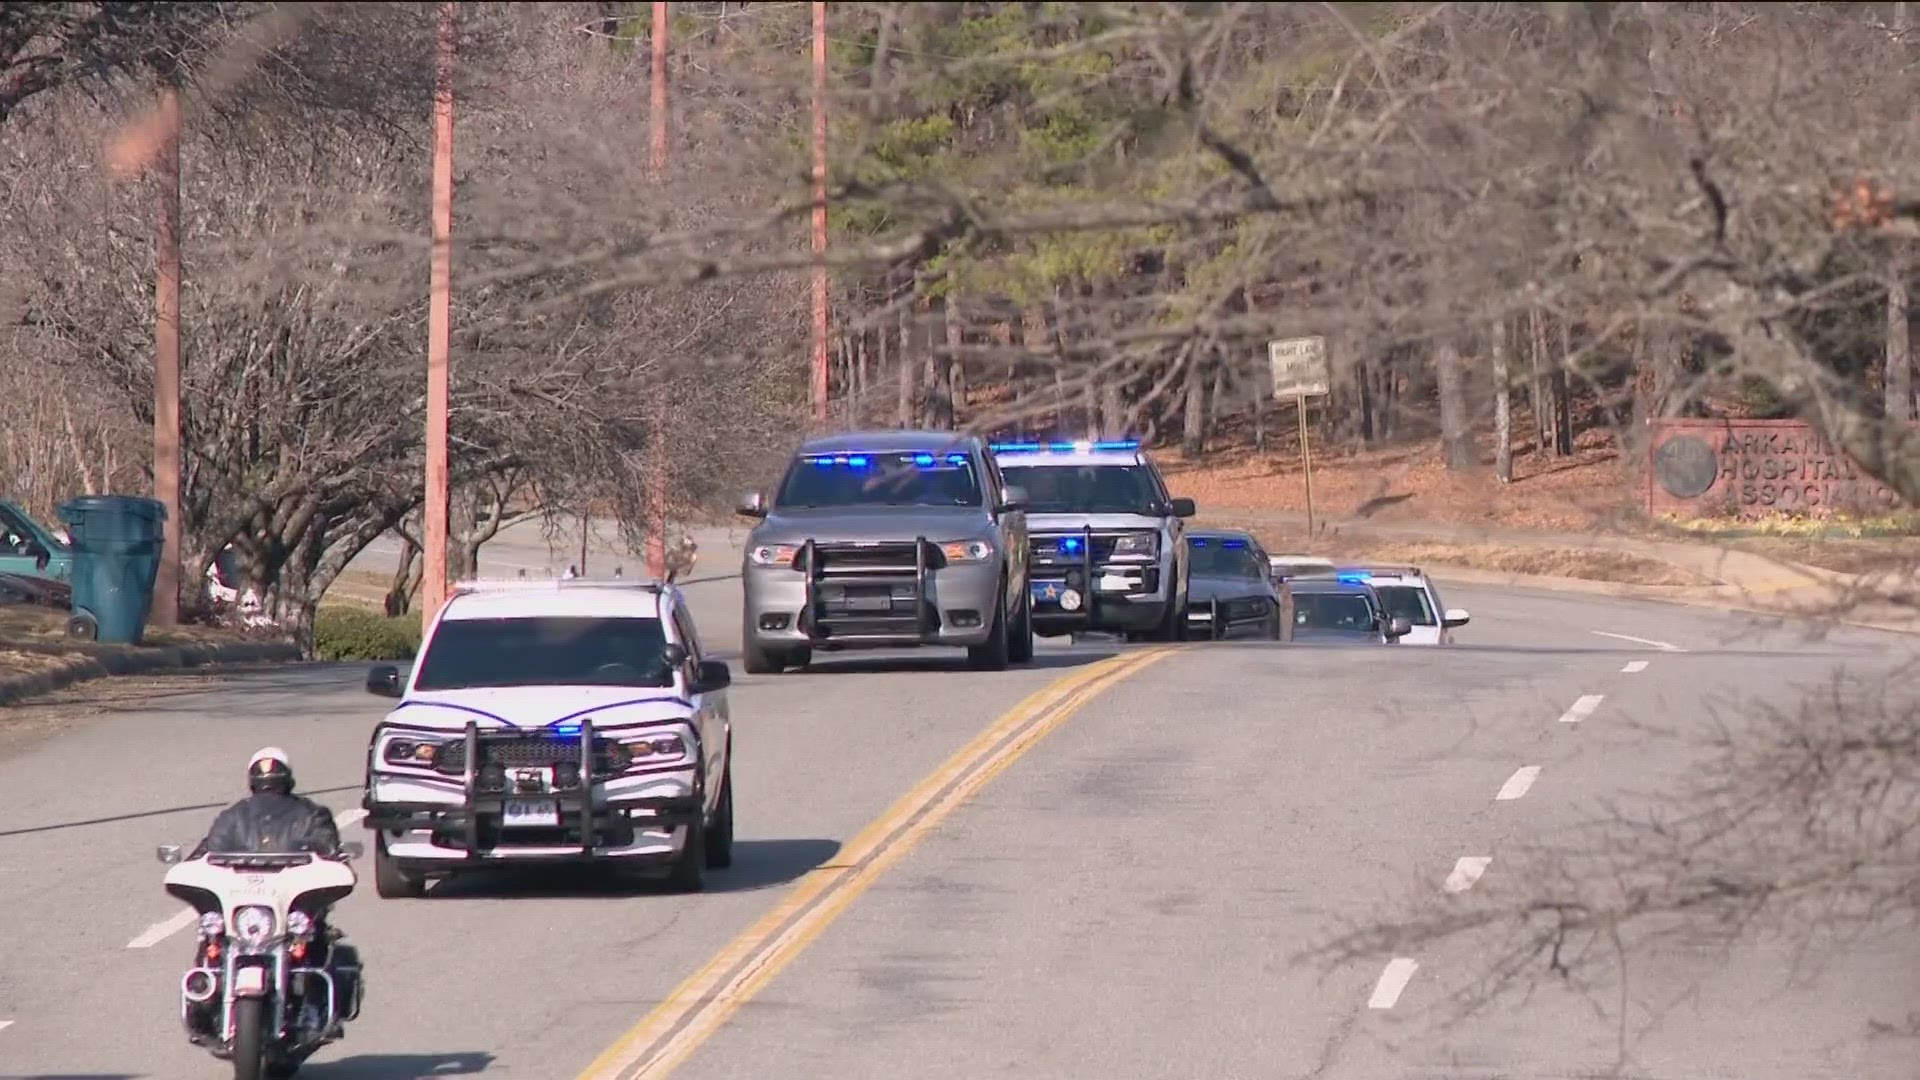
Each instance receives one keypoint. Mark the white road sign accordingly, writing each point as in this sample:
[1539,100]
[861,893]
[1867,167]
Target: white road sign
[1299,368]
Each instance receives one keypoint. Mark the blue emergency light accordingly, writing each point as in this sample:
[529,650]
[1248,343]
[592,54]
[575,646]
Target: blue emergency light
[1069,545]
[1236,543]
[567,729]
[1354,578]
[923,459]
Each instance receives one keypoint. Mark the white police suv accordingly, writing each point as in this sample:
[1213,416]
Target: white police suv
[1407,593]
[1107,543]
[552,722]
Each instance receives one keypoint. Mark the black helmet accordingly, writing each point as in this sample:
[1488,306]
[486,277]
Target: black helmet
[270,771]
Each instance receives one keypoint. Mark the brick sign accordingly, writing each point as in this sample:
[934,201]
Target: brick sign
[1754,468]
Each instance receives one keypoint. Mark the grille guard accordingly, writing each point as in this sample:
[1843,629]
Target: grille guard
[923,625]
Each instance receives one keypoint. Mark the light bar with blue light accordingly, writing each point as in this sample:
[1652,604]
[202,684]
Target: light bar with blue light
[1354,578]
[1236,543]
[861,461]
[923,459]
[1081,447]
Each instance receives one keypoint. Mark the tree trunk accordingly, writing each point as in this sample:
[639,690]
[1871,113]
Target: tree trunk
[904,363]
[1562,397]
[1502,406]
[1540,397]
[406,580]
[1899,379]
[1363,379]
[1193,431]
[1456,434]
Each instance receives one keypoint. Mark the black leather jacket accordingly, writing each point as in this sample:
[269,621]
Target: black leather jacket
[269,822]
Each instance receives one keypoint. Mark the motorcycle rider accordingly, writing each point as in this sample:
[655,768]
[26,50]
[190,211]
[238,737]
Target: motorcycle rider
[272,819]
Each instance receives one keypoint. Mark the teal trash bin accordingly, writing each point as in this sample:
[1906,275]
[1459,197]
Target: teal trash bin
[116,559]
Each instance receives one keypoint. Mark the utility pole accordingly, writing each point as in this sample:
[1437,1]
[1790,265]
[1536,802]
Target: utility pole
[166,359]
[820,210]
[433,588]
[656,462]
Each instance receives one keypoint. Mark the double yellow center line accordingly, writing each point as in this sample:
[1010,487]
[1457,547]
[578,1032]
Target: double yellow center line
[698,1007]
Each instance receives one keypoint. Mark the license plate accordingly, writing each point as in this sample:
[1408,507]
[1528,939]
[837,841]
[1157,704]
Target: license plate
[1048,592]
[249,981]
[531,813]
[856,602]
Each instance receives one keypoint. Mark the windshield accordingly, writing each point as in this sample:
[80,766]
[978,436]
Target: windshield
[546,651]
[1213,557]
[1086,489]
[1332,611]
[1407,602]
[893,479]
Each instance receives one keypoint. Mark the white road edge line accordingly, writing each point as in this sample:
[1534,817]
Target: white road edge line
[1518,783]
[1634,667]
[1466,872]
[185,917]
[1582,708]
[1663,646]
[1392,981]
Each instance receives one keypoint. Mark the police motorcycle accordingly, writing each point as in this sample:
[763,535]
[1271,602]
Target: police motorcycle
[270,983]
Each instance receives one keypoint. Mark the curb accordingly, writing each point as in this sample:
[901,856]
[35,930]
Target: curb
[1682,595]
[101,662]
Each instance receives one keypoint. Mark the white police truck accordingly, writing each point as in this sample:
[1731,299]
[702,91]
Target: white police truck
[1107,543]
[560,721]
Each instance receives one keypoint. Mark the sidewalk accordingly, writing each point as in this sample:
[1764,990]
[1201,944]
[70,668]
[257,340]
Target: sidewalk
[1745,581]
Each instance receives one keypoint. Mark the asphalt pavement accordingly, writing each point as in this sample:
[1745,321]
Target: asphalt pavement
[1097,865]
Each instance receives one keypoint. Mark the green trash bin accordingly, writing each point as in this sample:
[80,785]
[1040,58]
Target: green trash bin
[116,559]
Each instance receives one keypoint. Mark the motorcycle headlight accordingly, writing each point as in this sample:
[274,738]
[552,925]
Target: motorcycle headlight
[253,924]
[299,924]
[967,551]
[773,554]
[1137,546]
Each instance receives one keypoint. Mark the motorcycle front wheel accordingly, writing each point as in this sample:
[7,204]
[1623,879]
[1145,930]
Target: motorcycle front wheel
[249,1039]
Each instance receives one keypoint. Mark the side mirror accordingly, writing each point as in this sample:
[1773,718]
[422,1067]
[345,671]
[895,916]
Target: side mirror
[1183,508]
[1016,499]
[383,680]
[676,654]
[1399,628]
[1456,617]
[714,675]
[353,849]
[753,504]
[41,556]
[167,853]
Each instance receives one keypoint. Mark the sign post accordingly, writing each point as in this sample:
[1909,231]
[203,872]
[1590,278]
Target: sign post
[1300,372]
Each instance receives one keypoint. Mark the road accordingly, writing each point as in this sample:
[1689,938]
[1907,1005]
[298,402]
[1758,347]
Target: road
[1109,878]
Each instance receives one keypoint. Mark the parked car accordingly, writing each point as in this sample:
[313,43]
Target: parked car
[30,549]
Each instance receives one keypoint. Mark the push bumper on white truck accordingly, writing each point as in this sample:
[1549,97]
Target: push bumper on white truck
[514,795]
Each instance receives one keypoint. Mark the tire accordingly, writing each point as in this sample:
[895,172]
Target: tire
[1020,648]
[689,870]
[390,881]
[249,1039]
[757,660]
[991,655]
[799,658]
[282,1071]
[719,836]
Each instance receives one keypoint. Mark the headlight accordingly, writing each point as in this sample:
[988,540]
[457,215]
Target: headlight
[1137,546]
[418,753]
[967,551]
[299,924]
[658,750]
[253,924]
[773,554]
[211,924]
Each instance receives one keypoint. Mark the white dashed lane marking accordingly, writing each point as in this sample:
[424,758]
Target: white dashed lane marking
[1392,981]
[1634,667]
[5,1024]
[1582,708]
[185,917]
[1518,783]
[1466,872]
[1661,645]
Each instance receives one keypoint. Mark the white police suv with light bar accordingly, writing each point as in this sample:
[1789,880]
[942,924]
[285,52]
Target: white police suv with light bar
[1407,593]
[1108,543]
[553,722]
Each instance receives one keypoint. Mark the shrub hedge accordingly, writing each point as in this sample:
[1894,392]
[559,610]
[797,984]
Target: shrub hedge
[358,634]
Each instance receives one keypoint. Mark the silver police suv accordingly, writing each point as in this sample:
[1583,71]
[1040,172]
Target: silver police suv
[885,540]
[1109,549]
